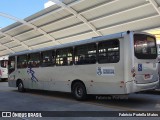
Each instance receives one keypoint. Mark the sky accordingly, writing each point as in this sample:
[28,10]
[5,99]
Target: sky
[19,8]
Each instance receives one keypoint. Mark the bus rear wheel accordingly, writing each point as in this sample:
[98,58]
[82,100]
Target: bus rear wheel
[79,91]
[21,87]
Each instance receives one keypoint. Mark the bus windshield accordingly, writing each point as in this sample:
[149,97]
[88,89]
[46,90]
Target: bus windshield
[145,46]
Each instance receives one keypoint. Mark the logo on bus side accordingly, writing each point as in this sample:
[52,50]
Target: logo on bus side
[31,72]
[105,71]
[139,67]
[99,71]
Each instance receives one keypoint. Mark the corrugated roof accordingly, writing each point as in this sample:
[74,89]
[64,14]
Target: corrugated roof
[74,20]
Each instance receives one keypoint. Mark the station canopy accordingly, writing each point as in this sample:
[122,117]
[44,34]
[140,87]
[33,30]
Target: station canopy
[74,20]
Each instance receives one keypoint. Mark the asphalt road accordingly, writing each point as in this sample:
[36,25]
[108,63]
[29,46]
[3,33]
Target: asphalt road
[12,100]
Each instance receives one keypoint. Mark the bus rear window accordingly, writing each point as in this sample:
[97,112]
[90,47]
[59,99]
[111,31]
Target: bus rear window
[4,63]
[145,46]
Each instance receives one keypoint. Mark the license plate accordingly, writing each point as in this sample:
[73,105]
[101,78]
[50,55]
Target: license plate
[146,76]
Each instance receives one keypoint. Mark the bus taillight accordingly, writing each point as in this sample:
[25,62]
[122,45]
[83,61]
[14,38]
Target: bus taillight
[133,72]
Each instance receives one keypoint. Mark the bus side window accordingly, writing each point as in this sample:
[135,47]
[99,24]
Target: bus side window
[22,61]
[34,60]
[64,57]
[11,64]
[48,58]
[85,54]
[108,51]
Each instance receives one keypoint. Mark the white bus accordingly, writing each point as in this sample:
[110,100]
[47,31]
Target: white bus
[120,63]
[3,68]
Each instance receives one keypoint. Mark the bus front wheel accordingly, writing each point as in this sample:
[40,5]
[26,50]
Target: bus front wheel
[79,91]
[21,86]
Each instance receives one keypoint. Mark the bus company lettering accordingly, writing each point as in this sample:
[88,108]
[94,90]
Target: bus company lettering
[141,114]
[105,71]
[23,115]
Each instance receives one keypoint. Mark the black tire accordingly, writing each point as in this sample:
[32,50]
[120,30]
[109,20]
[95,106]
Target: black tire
[79,91]
[20,87]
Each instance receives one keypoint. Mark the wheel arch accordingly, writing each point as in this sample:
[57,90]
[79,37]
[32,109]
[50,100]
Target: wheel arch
[75,81]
